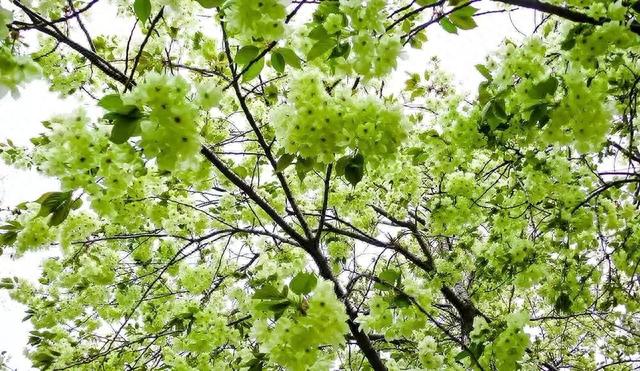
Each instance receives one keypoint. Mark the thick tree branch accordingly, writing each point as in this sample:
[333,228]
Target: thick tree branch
[562,12]
[248,190]
[261,140]
[325,202]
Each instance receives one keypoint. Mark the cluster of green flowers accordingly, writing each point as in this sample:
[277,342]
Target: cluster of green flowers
[374,53]
[196,279]
[505,348]
[74,149]
[14,70]
[209,331]
[320,126]
[568,108]
[251,20]
[430,357]
[170,131]
[588,44]
[294,339]
[583,116]
[375,57]
[34,232]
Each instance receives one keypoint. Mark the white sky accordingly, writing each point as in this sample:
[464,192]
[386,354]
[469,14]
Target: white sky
[21,120]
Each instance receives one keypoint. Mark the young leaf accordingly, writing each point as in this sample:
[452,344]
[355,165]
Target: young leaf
[544,88]
[341,50]
[142,8]
[319,33]
[253,71]
[277,62]
[389,276]
[246,54]
[446,25]
[58,204]
[60,214]
[267,292]
[484,71]
[303,283]
[123,130]
[354,169]
[319,48]
[111,102]
[290,57]
[284,161]
[462,21]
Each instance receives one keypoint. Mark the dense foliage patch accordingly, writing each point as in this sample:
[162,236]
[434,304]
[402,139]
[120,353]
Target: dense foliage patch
[242,187]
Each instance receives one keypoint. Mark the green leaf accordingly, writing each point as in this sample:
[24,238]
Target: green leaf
[267,292]
[142,8]
[111,102]
[467,11]
[303,283]
[463,22]
[354,169]
[273,305]
[563,303]
[277,62]
[128,112]
[58,204]
[341,164]
[123,130]
[8,238]
[448,26]
[570,39]
[290,57]
[210,3]
[253,71]
[60,214]
[319,33]
[484,71]
[389,276]
[319,48]
[303,166]
[341,50]
[495,114]
[539,115]
[284,161]
[76,204]
[246,54]
[544,88]
[400,301]
[462,355]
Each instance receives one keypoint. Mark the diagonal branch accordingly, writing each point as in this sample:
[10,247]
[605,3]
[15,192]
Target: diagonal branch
[325,202]
[154,22]
[82,26]
[261,140]
[248,190]
[563,12]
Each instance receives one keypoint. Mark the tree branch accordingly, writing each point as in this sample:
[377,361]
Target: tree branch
[562,12]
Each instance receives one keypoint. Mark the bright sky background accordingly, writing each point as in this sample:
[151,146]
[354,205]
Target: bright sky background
[21,120]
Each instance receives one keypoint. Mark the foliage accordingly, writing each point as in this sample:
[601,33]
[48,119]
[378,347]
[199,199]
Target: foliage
[248,191]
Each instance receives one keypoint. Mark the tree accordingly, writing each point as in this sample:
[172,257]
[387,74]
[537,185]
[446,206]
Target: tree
[240,191]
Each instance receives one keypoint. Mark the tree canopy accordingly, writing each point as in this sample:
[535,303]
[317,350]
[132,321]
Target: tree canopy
[240,190]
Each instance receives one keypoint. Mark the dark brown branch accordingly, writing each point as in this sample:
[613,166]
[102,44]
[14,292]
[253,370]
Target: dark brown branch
[82,26]
[261,140]
[325,202]
[562,12]
[154,22]
[251,194]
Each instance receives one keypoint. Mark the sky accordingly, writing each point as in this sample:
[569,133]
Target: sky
[20,120]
